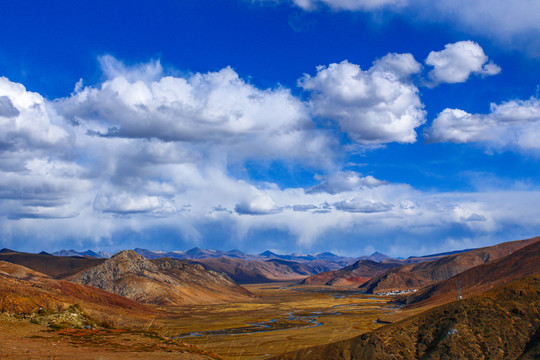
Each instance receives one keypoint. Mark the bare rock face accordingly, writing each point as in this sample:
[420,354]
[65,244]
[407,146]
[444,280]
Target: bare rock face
[160,281]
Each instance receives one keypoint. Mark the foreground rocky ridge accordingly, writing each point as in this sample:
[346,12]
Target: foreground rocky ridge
[28,292]
[161,281]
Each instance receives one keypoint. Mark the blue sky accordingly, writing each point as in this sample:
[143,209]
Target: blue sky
[305,125]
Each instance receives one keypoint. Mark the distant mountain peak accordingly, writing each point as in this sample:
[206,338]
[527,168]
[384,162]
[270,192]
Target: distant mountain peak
[268,253]
[376,256]
[128,255]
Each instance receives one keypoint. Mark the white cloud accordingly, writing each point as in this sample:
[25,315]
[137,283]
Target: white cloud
[26,119]
[58,180]
[514,23]
[216,109]
[458,61]
[495,18]
[345,181]
[123,203]
[514,123]
[6,108]
[260,205]
[375,106]
[37,177]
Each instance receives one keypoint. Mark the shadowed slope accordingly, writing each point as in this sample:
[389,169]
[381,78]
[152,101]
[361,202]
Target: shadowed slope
[355,274]
[54,266]
[500,324]
[160,281]
[422,274]
[255,271]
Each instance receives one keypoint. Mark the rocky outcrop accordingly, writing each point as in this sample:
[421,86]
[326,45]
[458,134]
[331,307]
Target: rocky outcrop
[160,281]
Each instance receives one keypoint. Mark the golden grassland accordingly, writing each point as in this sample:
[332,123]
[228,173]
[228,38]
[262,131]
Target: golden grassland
[297,317]
[26,340]
[283,317]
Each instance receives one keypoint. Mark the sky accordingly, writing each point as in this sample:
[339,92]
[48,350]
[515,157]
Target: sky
[352,126]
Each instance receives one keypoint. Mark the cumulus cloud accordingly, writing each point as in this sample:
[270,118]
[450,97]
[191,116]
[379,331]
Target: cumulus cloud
[6,108]
[375,106]
[26,121]
[124,203]
[260,205]
[38,179]
[458,61]
[513,123]
[345,181]
[217,109]
[80,168]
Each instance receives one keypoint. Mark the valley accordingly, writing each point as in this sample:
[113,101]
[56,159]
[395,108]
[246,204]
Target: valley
[283,317]
[130,306]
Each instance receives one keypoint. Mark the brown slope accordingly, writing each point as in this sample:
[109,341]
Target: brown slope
[500,324]
[355,274]
[416,276]
[54,266]
[161,281]
[255,271]
[478,279]
[26,291]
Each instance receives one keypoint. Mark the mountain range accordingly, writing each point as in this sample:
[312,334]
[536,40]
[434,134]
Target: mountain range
[479,303]
[488,311]
[415,276]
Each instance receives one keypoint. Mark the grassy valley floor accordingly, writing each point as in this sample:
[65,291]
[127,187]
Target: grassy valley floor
[283,318]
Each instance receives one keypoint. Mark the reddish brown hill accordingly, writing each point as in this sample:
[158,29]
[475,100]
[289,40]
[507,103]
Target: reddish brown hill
[478,279]
[255,271]
[161,281]
[422,274]
[23,290]
[355,274]
[503,323]
[54,266]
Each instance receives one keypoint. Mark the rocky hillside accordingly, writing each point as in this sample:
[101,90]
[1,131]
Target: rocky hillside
[503,323]
[523,262]
[416,276]
[161,281]
[355,274]
[25,291]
